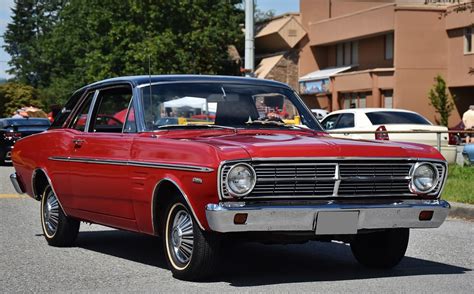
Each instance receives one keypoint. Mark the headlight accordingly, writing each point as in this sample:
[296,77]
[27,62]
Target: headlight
[241,179]
[424,178]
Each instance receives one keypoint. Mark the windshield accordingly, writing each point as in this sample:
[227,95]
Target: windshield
[396,117]
[195,105]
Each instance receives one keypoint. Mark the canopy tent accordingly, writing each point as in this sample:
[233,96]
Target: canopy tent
[193,102]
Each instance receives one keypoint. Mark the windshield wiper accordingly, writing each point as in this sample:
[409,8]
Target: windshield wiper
[196,126]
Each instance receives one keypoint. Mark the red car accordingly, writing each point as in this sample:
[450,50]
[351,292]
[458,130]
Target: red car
[249,173]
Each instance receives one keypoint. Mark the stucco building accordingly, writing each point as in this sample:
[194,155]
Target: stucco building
[386,53]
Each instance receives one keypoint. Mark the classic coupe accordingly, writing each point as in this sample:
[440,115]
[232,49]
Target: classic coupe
[246,159]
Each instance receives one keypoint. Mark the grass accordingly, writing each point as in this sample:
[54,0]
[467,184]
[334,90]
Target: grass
[460,184]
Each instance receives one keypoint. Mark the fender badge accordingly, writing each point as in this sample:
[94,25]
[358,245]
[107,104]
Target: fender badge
[197,180]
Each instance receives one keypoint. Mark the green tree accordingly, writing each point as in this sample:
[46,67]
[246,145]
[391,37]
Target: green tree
[98,39]
[31,20]
[15,95]
[439,99]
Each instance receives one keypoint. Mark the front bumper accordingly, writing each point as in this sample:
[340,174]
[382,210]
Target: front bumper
[272,217]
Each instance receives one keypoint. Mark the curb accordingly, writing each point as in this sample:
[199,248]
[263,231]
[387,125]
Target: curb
[461,210]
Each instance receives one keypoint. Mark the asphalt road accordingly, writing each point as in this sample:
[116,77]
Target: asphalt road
[105,260]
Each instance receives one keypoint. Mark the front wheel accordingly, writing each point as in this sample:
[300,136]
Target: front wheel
[381,249]
[58,229]
[191,253]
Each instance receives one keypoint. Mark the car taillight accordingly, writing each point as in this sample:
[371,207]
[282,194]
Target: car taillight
[12,135]
[380,133]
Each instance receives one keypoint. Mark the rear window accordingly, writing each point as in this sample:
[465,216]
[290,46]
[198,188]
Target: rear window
[394,117]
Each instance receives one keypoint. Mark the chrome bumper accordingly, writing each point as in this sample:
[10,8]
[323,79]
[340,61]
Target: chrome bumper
[16,184]
[400,214]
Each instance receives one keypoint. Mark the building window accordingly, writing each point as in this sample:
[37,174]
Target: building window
[389,46]
[347,53]
[354,100]
[388,98]
[468,43]
[340,55]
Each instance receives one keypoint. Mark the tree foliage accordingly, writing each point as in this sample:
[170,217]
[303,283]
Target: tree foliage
[15,95]
[84,41]
[439,99]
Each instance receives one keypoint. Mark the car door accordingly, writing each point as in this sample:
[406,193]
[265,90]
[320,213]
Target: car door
[98,160]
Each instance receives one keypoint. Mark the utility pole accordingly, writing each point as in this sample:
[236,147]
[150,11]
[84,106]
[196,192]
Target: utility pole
[249,38]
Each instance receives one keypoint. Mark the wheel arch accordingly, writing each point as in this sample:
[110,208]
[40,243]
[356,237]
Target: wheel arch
[39,181]
[163,191]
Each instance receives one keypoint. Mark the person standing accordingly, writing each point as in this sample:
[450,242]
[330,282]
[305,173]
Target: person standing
[468,120]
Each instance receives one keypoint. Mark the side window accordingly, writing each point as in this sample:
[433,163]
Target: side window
[346,121]
[130,124]
[64,113]
[329,122]
[111,109]
[79,122]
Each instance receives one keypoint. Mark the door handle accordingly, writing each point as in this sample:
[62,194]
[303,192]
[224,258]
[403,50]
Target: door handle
[78,142]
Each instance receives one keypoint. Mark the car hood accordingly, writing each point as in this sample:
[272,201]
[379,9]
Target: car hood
[258,145]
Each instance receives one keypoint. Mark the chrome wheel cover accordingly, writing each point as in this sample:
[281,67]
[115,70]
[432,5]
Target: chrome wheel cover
[51,213]
[181,236]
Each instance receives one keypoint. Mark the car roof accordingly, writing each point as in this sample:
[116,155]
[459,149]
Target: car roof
[368,110]
[144,79]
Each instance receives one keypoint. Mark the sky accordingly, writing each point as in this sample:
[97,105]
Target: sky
[279,6]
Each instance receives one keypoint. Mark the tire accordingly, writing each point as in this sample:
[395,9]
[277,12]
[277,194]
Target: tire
[191,254]
[58,229]
[381,249]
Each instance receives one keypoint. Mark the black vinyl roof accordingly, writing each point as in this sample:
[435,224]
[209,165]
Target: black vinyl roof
[144,79]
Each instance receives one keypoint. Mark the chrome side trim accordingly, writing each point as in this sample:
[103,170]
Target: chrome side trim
[299,217]
[16,184]
[134,163]
[38,197]
[184,196]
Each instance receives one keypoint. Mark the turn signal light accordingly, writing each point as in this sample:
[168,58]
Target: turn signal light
[426,215]
[240,218]
[380,133]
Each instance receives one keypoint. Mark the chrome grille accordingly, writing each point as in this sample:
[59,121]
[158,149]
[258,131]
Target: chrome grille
[327,179]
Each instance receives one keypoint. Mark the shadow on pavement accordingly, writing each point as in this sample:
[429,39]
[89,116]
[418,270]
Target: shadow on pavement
[252,264]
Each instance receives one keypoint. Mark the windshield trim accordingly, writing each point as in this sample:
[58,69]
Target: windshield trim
[304,111]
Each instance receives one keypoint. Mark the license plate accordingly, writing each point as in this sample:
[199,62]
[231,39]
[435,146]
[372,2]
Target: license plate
[337,222]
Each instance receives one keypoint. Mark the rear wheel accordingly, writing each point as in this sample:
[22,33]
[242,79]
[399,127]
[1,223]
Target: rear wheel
[191,253]
[381,249]
[58,229]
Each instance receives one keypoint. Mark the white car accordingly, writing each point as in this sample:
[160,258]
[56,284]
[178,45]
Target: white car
[381,119]
[319,113]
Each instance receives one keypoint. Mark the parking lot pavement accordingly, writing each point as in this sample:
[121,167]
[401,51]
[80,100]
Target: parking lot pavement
[107,260]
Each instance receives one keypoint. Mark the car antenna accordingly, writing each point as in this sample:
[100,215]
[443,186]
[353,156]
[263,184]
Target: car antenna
[149,73]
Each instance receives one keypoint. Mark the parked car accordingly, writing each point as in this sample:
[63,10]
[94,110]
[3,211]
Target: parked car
[246,174]
[13,129]
[383,119]
[319,113]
